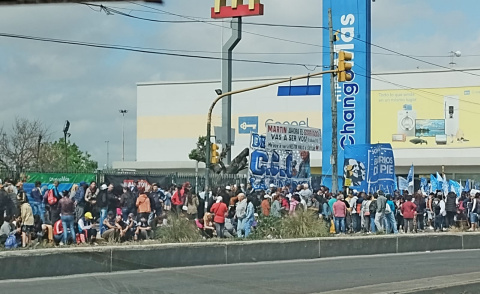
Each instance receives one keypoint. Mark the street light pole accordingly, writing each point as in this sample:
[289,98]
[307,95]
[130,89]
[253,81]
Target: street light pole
[334,155]
[108,154]
[123,112]
[209,116]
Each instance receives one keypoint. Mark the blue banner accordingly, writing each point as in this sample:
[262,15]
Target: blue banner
[352,19]
[370,167]
[277,167]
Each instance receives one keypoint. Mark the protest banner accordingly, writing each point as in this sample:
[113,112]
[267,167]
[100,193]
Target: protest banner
[293,137]
[370,167]
[278,167]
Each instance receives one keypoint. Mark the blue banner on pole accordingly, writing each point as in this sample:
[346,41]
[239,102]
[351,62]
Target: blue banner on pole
[370,167]
[352,20]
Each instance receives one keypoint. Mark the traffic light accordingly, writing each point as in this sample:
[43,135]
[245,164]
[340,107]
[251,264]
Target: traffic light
[343,66]
[214,157]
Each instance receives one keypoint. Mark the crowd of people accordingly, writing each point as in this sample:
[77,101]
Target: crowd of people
[87,212]
[83,213]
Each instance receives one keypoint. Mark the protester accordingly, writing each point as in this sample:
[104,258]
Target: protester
[86,227]
[451,209]
[66,208]
[240,214]
[409,209]
[143,205]
[219,209]
[339,211]
[266,204]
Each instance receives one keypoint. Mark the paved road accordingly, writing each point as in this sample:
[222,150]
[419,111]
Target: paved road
[312,276]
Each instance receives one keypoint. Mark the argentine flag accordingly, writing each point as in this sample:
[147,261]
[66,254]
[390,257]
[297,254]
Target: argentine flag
[439,182]
[445,185]
[467,186]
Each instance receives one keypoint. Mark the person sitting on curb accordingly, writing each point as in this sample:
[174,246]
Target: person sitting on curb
[112,231]
[86,227]
[143,230]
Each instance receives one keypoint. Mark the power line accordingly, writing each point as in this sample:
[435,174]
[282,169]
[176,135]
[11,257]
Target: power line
[145,50]
[221,26]
[408,56]
[195,20]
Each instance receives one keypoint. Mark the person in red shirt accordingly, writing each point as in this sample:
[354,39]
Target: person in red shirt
[409,209]
[220,210]
[339,211]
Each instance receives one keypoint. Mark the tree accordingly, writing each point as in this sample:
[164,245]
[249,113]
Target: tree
[238,163]
[199,153]
[19,148]
[52,158]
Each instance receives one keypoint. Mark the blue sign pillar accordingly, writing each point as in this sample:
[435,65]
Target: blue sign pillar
[352,22]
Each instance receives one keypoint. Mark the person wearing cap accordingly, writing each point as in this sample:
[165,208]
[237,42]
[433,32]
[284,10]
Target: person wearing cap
[112,230]
[219,209]
[102,206]
[266,204]
[86,227]
[66,208]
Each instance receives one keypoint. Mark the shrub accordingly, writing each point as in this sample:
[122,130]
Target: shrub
[302,225]
[179,229]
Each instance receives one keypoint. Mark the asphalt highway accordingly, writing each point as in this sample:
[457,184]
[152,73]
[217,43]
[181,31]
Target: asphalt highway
[361,274]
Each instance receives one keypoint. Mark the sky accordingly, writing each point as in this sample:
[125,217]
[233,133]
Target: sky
[88,86]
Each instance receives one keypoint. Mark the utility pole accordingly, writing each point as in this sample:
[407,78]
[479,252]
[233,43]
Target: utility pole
[334,155]
[123,112]
[108,154]
[227,53]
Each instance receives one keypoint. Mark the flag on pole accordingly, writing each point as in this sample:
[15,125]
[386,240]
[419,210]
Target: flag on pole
[445,185]
[424,185]
[433,183]
[455,187]
[467,186]
[439,182]
[402,183]
[410,180]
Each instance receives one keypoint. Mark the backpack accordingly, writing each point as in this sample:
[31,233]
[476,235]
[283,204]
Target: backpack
[358,208]
[388,209]
[373,207]
[11,242]
[461,207]
[51,199]
[436,206]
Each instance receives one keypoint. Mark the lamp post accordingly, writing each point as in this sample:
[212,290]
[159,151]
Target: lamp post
[123,112]
[38,152]
[108,154]
[220,96]
[66,127]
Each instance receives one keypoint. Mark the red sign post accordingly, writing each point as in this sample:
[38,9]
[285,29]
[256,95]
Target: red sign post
[221,10]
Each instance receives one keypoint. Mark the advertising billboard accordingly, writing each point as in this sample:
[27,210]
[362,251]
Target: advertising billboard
[426,118]
[352,20]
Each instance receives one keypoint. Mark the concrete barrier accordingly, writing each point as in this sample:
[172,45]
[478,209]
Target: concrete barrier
[275,250]
[21,264]
[434,242]
[349,246]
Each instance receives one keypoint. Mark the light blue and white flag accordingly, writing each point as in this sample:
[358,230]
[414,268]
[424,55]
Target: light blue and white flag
[445,185]
[467,186]
[424,185]
[439,182]
[402,183]
[455,187]
[433,184]
[410,180]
